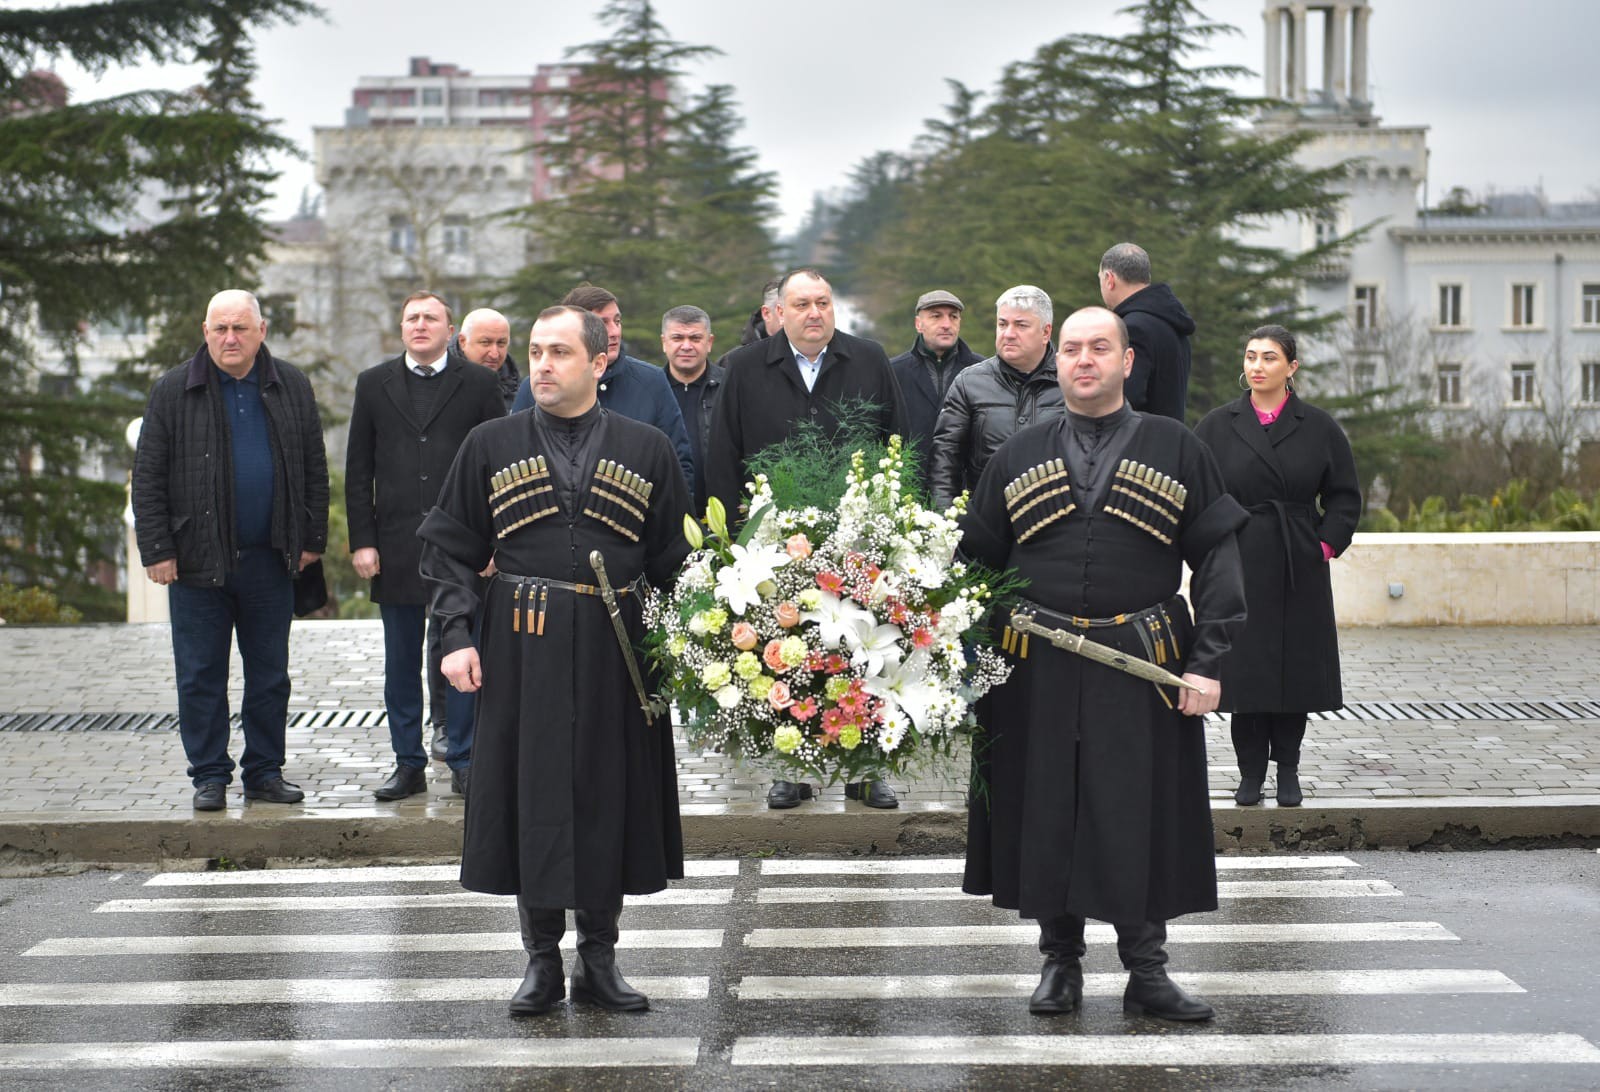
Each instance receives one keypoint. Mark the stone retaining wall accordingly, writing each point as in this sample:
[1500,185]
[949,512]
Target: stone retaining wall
[1513,579]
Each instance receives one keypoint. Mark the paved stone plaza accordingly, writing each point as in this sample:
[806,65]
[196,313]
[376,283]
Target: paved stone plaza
[1477,745]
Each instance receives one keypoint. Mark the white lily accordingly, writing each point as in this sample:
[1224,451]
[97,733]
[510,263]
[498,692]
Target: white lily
[837,620]
[906,687]
[738,584]
[875,645]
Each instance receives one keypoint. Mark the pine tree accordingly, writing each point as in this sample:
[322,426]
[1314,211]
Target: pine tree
[660,206]
[78,246]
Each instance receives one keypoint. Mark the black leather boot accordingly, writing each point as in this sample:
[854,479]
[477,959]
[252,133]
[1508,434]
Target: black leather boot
[1288,730]
[1061,982]
[1251,739]
[1289,794]
[1150,992]
[544,986]
[595,977]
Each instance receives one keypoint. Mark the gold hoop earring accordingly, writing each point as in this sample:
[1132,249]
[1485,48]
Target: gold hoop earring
[1244,384]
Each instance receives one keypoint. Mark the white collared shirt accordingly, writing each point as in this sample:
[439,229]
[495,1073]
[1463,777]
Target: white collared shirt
[809,369]
[438,366]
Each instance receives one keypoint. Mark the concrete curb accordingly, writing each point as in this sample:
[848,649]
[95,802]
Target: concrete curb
[33,845]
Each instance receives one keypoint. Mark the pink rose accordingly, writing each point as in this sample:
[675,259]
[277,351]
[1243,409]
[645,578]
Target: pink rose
[798,546]
[744,636]
[772,655]
[787,614]
[778,697]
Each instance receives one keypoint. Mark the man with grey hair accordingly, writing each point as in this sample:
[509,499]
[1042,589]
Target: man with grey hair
[994,398]
[485,339]
[686,340]
[1158,326]
[230,503]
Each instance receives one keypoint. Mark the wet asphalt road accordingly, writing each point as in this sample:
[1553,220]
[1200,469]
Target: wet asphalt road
[1481,967]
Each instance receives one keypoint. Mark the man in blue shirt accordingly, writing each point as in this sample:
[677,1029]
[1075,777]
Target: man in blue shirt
[230,503]
[629,387]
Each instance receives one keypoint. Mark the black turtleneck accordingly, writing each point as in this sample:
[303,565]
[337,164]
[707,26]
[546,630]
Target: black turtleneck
[573,444]
[1093,445]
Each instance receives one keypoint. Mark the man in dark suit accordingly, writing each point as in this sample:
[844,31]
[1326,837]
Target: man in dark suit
[410,416]
[805,371]
[927,369]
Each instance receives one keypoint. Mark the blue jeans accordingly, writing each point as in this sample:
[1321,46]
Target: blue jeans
[459,708]
[256,604]
[404,630]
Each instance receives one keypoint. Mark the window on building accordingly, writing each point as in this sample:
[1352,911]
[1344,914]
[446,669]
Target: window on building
[433,96]
[457,236]
[281,313]
[1449,384]
[1589,381]
[378,98]
[1522,305]
[492,97]
[461,97]
[1324,229]
[402,236]
[1366,375]
[1449,305]
[1364,314]
[1589,304]
[1522,384]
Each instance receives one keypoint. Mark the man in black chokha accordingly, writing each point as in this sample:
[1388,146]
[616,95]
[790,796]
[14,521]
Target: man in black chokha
[1096,779]
[574,796]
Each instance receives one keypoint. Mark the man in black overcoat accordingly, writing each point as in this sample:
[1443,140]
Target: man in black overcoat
[1094,795]
[409,417]
[926,370]
[575,800]
[807,371]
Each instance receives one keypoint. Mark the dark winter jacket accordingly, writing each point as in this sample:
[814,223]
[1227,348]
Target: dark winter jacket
[1158,330]
[1297,479]
[641,391]
[395,464]
[923,399]
[763,397]
[987,404]
[708,405]
[183,504]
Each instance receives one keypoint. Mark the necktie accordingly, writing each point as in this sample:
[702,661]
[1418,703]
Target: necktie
[425,370]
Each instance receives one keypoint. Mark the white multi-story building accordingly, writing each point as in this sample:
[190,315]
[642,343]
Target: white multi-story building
[1491,311]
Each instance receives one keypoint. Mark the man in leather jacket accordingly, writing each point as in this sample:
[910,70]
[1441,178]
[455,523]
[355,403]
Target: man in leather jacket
[993,399]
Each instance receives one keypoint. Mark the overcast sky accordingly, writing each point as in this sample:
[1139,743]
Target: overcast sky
[1505,86]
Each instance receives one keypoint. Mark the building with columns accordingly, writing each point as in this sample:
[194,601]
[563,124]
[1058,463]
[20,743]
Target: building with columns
[1491,310]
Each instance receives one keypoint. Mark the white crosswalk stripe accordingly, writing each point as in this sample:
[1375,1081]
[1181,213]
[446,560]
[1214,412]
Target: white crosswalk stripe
[279,877]
[823,987]
[1243,889]
[721,952]
[1178,932]
[1145,1050]
[311,991]
[289,943]
[541,1053]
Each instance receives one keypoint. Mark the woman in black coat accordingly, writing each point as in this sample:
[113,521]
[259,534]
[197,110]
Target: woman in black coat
[1289,464]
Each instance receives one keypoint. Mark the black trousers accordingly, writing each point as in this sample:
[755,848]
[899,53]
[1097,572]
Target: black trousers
[1258,737]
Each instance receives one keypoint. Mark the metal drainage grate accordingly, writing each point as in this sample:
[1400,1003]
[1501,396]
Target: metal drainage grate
[1566,709]
[168,722]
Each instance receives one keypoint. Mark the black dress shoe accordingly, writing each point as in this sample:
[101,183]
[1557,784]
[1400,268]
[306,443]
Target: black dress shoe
[405,781]
[212,796]
[275,791]
[880,795]
[1152,993]
[440,746]
[459,780]
[1289,794]
[787,794]
[1248,794]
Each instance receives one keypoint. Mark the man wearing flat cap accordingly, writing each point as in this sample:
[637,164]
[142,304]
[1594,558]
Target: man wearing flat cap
[926,370]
